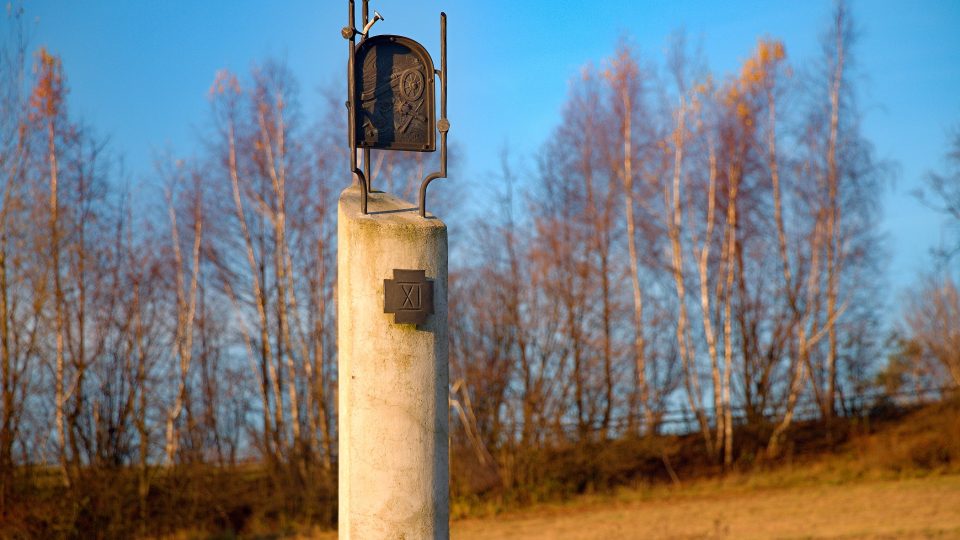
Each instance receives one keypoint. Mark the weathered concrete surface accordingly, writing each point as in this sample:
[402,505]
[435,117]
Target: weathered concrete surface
[393,378]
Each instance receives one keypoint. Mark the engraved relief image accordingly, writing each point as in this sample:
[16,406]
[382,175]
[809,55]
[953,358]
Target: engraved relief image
[393,102]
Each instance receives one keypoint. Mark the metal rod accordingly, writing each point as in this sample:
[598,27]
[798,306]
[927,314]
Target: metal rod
[352,106]
[443,65]
[365,13]
[363,190]
[366,168]
[350,33]
[444,124]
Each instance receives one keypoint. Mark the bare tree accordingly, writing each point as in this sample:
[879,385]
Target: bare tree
[186,283]
[932,319]
[626,86]
[46,103]
[944,189]
[17,344]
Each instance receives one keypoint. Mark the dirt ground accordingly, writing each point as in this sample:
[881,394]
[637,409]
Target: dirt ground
[914,508]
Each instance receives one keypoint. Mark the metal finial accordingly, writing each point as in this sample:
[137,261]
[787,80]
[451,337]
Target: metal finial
[376,17]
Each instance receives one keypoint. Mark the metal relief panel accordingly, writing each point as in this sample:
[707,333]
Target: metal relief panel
[395,95]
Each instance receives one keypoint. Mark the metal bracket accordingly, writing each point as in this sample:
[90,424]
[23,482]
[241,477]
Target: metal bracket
[405,125]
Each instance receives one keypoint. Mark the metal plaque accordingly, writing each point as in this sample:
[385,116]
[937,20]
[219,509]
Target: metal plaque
[394,95]
[409,296]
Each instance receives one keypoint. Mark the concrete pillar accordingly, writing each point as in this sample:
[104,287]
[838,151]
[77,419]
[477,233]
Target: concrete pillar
[393,378]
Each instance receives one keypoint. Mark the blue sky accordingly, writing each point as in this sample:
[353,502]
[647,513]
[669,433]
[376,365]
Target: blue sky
[139,70]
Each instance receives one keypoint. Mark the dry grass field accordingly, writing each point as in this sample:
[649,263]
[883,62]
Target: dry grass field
[912,508]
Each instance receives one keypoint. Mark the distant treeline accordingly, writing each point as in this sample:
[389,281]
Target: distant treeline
[682,240]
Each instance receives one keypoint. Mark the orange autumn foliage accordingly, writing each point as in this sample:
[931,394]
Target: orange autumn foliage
[224,81]
[49,92]
[756,76]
